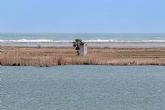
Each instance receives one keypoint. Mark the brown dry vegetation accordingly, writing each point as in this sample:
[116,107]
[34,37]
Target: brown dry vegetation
[24,56]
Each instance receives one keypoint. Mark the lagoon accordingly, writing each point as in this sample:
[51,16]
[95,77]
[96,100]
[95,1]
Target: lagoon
[83,87]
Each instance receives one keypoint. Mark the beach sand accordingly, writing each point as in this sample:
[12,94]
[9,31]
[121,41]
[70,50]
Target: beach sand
[46,56]
[90,44]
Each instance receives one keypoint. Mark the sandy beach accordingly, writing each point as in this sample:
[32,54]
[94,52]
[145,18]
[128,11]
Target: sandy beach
[90,44]
[46,56]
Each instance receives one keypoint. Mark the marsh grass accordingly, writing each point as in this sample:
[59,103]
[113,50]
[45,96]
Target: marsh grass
[21,56]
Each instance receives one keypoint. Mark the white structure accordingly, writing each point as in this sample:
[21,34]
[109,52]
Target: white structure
[83,50]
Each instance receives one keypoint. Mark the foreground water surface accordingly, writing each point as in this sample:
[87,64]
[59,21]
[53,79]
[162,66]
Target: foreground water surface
[83,88]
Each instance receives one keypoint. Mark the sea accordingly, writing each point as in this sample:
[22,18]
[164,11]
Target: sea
[83,87]
[88,37]
[99,40]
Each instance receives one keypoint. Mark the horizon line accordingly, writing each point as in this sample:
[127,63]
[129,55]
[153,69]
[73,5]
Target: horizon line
[82,32]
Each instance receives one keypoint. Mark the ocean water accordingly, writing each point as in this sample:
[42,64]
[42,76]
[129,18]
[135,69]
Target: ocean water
[83,88]
[88,37]
[100,40]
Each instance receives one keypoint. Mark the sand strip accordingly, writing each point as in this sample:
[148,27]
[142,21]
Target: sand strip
[90,44]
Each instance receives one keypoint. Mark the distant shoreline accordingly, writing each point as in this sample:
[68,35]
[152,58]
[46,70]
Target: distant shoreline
[90,44]
[52,56]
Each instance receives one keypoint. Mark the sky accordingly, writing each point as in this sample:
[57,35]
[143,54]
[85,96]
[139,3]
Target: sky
[82,16]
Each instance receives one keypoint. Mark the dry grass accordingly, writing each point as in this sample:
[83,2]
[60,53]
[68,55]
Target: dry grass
[21,56]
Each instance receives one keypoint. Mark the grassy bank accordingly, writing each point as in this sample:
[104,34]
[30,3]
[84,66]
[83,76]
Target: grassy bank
[24,56]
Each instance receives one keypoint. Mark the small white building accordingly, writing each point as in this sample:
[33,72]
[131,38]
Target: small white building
[83,50]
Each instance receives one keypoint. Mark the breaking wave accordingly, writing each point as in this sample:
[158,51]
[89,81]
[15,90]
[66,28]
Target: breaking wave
[64,41]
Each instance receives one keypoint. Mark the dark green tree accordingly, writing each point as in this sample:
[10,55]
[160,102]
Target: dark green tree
[77,43]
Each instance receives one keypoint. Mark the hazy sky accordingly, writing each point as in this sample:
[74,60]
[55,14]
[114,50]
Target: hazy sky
[85,16]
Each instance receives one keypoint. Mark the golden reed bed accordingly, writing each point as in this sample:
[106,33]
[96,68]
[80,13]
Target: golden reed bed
[25,56]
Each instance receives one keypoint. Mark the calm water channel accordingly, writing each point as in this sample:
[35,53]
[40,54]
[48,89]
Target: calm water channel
[83,88]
